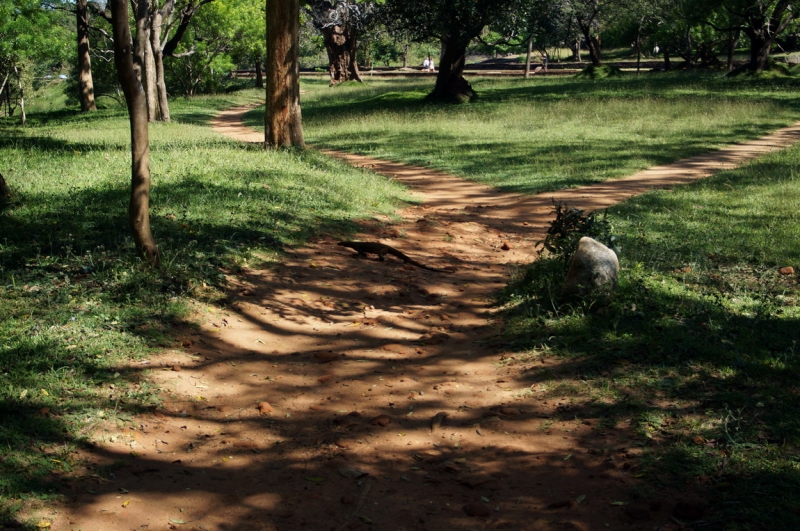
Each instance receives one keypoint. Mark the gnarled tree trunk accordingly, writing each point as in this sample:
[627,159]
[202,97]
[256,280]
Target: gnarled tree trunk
[283,124]
[340,43]
[592,41]
[130,64]
[86,84]
[450,83]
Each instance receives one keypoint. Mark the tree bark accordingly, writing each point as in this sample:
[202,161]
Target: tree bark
[259,74]
[149,79]
[23,116]
[340,43]
[4,191]
[283,124]
[528,57]
[733,42]
[592,42]
[86,84]
[450,83]
[760,45]
[156,24]
[667,63]
[130,64]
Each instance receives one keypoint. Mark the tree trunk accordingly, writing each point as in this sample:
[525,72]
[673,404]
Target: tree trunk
[84,60]
[576,50]
[639,47]
[528,57]
[760,45]
[340,43]
[689,47]
[130,64]
[4,191]
[23,116]
[733,42]
[259,74]
[156,24]
[450,83]
[149,80]
[405,56]
[283,124]
[592,42]
[667,64]
[3,86]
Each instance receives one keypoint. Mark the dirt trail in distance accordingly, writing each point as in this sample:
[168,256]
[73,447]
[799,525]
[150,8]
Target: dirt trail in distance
[336,393]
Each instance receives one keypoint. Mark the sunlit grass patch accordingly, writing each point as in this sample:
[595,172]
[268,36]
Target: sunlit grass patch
[546,133]
[699,348]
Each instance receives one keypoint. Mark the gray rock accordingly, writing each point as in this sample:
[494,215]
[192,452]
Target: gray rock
[594,268]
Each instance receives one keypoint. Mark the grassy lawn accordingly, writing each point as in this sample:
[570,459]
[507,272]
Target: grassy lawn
[546,133]
[699,349]
[77,306]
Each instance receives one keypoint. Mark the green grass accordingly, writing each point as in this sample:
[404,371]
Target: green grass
[699,348]
[547,133]
[78,307]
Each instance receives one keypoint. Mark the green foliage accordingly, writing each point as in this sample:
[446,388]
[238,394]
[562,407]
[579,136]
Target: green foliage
[599,72]
[568,226]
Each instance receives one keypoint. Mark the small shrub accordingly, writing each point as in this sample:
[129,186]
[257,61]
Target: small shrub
[569,226]
[599,72]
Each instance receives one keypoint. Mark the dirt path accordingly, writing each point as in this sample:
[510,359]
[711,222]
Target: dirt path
[341,394]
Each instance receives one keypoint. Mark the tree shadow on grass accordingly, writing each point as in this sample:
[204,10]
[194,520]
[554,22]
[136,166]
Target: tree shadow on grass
[707,379]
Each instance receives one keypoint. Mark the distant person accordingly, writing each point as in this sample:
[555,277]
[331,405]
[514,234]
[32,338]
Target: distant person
[426,64]
[431,68]
[544,60]
[656,49]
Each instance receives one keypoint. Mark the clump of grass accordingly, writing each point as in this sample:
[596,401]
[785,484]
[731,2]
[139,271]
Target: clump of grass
[599,72]
[699,348]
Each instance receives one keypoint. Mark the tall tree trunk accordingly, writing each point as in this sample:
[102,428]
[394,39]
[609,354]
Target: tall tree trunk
[639,47]
[450,83]
[259,74]
[760,45]
[405,56]
[733,42]
[689,48]
[592,42]
[23,116]
[528,57]
[283,124]
[576,50]
[84,60]
[667,63]
[130,64]
[3,85]
[156,24]
[340,43]
[5,193]
[149,80]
